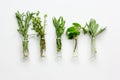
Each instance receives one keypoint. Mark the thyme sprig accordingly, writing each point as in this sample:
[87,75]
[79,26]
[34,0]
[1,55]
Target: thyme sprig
[40,30]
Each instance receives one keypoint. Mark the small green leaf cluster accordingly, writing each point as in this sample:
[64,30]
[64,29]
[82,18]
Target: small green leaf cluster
[73,31]
[93,28]
[59,26]
[23,22]
[37,25]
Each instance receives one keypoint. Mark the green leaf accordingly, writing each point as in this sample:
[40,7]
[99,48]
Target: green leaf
[100,31]
[77,25]
[72,32]
[84,30]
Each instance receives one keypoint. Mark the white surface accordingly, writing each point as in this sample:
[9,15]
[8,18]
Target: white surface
[107,65]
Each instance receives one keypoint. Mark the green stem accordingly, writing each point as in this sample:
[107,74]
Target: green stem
[42,46]
[93,46]
[75,44]
[59,44]
[25,48]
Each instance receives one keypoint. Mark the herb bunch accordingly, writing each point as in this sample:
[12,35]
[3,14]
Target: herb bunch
[73,32]
[40,30]
[59,27]
[23,20]
[94,31]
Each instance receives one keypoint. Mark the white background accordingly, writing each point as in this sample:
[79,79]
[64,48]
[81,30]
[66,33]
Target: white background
[107,64]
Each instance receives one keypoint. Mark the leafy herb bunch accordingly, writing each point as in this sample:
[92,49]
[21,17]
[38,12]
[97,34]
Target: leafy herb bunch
[59,26]
[94,31]
[23,20]
[40,30]
[74,31]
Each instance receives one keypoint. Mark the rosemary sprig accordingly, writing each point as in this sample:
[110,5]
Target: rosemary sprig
[23,24]
[40,30]
[59,26]
[94,31]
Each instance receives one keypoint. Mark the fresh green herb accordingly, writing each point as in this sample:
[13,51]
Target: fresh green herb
[73,32]
[40,29]
[23,24]
[59,26]
[94,30]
